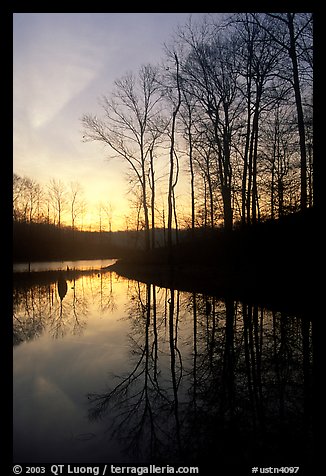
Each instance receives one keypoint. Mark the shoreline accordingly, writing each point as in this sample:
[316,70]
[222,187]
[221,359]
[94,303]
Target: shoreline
[252,287]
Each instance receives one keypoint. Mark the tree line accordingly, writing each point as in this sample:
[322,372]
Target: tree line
[231,104]
[57,203]
[229,108]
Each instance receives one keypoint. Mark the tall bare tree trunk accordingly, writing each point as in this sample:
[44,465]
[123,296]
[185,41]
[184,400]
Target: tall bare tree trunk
[172,152]
[298,102]
[152,174]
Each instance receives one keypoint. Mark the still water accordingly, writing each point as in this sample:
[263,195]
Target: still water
[81,265]
[110,370]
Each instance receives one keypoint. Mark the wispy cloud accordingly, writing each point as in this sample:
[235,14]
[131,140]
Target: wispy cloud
[55,65]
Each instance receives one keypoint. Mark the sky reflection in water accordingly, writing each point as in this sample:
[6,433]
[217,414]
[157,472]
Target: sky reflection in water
[119,371]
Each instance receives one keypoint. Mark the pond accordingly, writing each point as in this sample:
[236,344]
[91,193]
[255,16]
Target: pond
[111,370]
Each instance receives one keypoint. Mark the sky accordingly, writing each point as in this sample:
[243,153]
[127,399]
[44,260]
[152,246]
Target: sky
[62,64]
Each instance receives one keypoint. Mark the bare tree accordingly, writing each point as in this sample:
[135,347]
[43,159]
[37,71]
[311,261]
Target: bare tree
[289,33]
[260,87]
[175,100]
[130,116]
[58,196]
[189,116]
[75,201]
[210,75]
[108,210]
[27,198]
[18,191]
[204,161]
[279,153]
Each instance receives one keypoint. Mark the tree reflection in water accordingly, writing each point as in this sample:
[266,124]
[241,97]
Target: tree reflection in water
[212,381]
[56,301]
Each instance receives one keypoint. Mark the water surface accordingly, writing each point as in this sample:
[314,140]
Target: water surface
[62,265]
[112,370]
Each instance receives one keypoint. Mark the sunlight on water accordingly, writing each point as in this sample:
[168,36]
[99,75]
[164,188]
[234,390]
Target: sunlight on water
[112,370]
